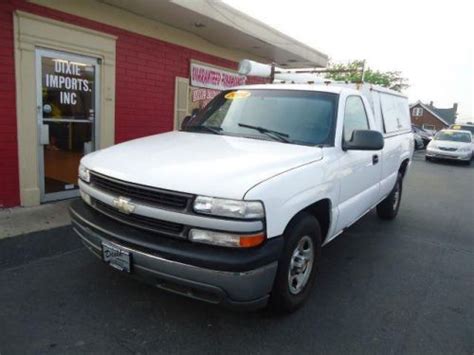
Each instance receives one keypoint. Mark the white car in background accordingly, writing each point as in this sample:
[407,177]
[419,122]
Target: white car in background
[450,144]
[465,127]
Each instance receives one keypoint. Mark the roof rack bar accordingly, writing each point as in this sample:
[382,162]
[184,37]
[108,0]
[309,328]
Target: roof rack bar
[271,71]
[315,71]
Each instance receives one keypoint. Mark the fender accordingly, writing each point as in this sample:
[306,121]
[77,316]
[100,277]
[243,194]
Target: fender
[287,194]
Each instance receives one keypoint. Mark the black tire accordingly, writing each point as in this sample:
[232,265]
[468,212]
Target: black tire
[282,299]
[388,208]
[427,158]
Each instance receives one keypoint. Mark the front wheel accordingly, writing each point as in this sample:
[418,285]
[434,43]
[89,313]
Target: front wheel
[297,266]
[388,208]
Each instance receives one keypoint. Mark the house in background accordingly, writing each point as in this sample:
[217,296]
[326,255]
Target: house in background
[432,118]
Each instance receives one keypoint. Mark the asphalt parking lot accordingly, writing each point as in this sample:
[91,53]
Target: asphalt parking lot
[405,286]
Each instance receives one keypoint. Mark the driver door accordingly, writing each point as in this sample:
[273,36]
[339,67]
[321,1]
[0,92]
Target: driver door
[360,170]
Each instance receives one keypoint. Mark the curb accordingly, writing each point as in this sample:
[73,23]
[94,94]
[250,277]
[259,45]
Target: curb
[23,220]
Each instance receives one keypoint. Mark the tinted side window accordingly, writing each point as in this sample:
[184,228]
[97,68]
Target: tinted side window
[355,116]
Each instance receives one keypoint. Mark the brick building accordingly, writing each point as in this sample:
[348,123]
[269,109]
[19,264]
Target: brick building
[432,118]
[81,75]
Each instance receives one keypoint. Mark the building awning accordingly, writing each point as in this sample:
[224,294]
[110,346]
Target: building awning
[227,27]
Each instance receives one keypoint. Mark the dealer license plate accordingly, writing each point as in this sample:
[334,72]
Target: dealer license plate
[116,257]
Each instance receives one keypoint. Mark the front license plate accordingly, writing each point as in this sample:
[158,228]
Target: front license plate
[116,257]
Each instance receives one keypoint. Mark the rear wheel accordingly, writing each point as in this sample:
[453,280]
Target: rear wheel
[297,266]
[388,208]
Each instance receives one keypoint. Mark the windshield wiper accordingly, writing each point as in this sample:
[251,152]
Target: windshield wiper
[215,130]
[275,135]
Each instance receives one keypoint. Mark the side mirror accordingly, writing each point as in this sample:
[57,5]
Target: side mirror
[364,140]
[185,122]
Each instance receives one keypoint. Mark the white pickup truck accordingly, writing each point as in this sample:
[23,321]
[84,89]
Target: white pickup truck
[235,207]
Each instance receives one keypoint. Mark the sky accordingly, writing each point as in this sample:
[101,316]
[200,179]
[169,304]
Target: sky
[430,42]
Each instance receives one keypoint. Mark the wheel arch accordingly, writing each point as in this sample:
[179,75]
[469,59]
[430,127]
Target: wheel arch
[404,167]
[321,210]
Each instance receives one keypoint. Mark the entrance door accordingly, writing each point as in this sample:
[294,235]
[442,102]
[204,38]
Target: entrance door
[68,109]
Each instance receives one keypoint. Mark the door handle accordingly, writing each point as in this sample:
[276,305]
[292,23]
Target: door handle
[375,159]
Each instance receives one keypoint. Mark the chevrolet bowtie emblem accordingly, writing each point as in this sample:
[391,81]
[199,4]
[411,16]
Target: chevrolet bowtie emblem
[123,205]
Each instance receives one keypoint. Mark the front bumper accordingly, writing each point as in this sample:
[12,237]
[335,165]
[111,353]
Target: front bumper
[442,154]
[238,278]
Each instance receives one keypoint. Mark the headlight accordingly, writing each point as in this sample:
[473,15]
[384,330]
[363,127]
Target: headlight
[431,146]
[226,239]
[84,173]
[465,149]
[229,208]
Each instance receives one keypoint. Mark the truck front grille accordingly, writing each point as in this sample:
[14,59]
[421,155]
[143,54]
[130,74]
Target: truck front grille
[147,194]
[155,225]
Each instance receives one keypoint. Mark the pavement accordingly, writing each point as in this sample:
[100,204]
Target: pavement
[22,220]
[404,286]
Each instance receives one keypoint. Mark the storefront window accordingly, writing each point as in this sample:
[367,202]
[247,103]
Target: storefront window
[207,81]
[200,97]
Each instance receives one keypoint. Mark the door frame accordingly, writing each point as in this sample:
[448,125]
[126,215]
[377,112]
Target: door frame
[178,100]
[31,32]
[39,53]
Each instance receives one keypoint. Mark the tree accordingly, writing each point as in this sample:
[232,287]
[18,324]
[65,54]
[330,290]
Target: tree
[353,73]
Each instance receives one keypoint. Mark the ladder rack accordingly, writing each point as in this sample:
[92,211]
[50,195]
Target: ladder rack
[308,76]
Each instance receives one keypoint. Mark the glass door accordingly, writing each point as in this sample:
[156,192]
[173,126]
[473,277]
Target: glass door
[67,92]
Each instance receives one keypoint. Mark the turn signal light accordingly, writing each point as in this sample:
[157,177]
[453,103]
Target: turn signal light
[226,239]
[249,241]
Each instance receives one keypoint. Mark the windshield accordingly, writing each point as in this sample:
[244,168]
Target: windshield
[290,116]
[462,128]
[453,136]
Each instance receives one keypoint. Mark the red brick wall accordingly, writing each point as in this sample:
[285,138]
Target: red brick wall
[145,77]
[9,184]
[426,118]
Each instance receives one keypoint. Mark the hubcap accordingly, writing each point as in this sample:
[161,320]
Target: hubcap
[301,265]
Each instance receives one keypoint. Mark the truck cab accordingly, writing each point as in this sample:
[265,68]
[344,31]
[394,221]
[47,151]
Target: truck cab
[235,208]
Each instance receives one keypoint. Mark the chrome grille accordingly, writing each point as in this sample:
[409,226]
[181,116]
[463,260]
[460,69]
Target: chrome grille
[142,222]
[149,195]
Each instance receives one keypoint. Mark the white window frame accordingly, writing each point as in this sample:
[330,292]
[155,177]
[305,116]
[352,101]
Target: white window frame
[417,111]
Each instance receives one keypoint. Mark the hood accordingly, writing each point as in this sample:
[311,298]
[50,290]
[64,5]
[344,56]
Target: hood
[197,163]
